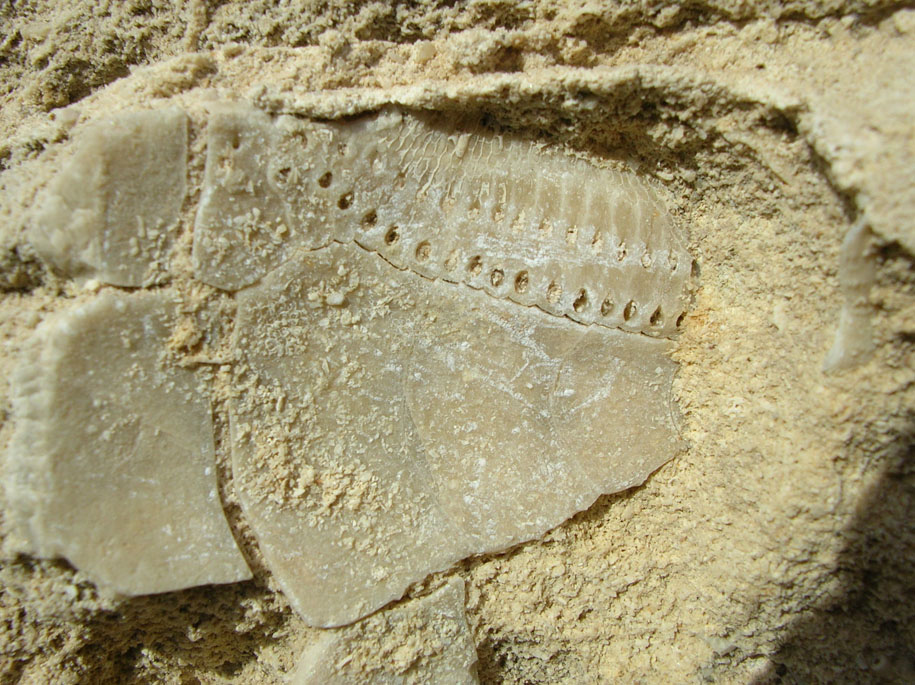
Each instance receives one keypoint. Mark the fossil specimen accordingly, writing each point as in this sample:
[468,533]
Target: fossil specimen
[447,342]
[111,464]
[853,342]
[424,641]
[111,212]
[503,215]
[415,424]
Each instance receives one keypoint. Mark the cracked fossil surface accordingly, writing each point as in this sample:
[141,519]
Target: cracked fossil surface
[111,465]
[447,341]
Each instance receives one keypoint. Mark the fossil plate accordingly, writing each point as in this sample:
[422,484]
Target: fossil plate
[112,211]
[447,342]
[518,220]
[421,420]
[111,464]
[416,423]
[425,641]
[853,342]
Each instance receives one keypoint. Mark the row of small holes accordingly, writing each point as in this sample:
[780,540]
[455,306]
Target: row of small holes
[554,292]
[346,200]
[597,245]
[522,280]
[497,276]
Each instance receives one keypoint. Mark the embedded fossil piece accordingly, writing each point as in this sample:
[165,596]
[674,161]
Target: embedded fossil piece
[111,211]
[854,339]
[518,220]
[111,462]
[391,425]
[425,641]
[400,402]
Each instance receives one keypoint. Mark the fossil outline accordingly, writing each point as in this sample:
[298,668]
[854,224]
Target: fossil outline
[268,241]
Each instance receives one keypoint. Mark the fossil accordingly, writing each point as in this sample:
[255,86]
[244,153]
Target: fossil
[517,220]
[853,343]
[112,211]
[424,641]
[447,342]
[111,464]
[419,428]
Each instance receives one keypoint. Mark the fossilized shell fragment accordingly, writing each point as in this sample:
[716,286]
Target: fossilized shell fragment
[854,338]
[423,642]
[390,425]
[111,462]
[520,221]
[111,211]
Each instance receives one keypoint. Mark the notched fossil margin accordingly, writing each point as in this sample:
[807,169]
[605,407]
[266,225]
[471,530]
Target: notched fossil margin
[520,221]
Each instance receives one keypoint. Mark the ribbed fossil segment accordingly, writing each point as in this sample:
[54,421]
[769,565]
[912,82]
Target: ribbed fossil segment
[517,220]
[111,463]
[392,425]
[112,210]
[423,642]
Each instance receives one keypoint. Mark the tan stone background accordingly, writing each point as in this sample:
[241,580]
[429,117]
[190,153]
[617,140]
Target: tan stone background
[779,546]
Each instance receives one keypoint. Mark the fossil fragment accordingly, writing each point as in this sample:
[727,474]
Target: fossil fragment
[391,425]
[110,213]
[854,341]
[418,378]
[517,220]
[111,462]
[425,641]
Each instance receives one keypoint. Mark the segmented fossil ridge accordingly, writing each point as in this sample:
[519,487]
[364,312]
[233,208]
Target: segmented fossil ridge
[517,220]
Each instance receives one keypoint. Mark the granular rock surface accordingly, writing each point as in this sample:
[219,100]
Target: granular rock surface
[776,546]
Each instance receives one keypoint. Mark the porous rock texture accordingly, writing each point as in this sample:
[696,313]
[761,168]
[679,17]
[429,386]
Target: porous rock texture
[777,546]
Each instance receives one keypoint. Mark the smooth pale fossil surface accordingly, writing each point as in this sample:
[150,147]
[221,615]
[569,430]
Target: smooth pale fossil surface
[854,340]
[387,426]
[424,642]
[111,211]
[111,462]
[521,221]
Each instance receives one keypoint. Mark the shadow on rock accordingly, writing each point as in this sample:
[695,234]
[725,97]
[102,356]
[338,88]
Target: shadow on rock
[867,632]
